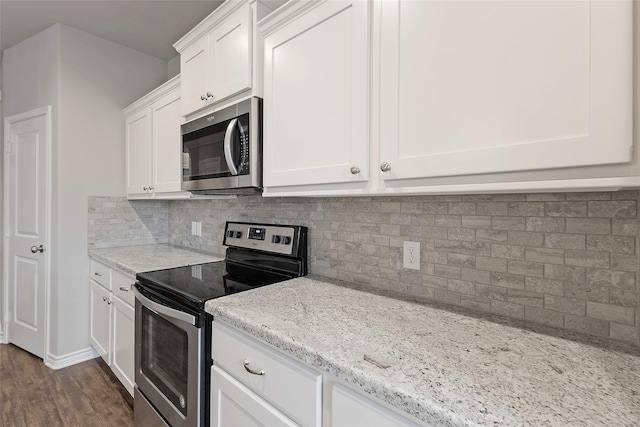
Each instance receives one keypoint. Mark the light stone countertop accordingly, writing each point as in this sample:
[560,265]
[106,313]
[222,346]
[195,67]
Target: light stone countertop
[447,368]
[136,259]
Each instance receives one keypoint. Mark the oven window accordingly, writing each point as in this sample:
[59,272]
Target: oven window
[165,353]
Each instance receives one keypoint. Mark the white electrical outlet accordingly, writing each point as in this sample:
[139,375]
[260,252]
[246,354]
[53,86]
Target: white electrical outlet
[196,228]
[411,255]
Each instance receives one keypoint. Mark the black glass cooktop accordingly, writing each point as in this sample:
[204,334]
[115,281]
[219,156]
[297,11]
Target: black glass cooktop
[193,285]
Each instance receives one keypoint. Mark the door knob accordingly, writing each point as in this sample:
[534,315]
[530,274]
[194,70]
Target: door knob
[36,249]
[385,167]
[355,170]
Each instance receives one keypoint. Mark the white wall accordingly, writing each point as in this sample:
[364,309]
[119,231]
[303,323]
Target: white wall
[88,81]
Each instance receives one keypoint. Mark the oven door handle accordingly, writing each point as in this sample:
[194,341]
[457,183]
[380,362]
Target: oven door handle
[228,152]
[163,309]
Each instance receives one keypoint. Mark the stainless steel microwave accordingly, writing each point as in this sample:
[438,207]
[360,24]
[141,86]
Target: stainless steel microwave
[222,151]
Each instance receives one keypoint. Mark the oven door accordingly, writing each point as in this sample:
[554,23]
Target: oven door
[168,356]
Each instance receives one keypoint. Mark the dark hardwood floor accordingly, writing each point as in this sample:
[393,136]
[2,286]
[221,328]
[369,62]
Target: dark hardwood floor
[86,394]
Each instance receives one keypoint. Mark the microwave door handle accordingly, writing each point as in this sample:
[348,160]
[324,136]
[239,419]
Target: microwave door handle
[228,153]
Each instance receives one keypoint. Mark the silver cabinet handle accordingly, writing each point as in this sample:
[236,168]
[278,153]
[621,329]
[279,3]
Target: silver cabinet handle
[385,167]
[97,273]
[124,288]
[355,170]
[109,302]
[251,371]
[209,94]
[104,298]
[145,188]
[228,154]
[151,188]
[36,249]
[203,98]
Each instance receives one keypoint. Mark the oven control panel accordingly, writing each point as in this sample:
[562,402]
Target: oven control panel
[280,239]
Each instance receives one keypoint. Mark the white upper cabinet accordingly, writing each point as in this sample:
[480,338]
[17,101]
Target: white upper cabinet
[217,58]
[154,153]
[498,86]
[316,94]
[444,96]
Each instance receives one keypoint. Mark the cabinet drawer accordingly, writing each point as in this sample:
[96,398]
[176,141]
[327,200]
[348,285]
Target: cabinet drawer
[101,274]
[285,383]
[122,286]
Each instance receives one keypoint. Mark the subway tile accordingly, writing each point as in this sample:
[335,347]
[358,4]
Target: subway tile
[624,298]
[492,208]
[547,256]
[525,238]
[624,262]
[545,317]
[475,302]
[492,236]
[447,271]
[587,259]
[462,208]
[448,220]
[526,298]
[611,313]
[525,209]
[569,274]
[566,209]
[505,280]
[587,292]
[435,208]
[619,244]
[630,334]
[476,221]
[589,196]
[461,286]
[612,278]
[565,305]
[525,268]
[508,223]
[545,197]
[491,264]
[434,281]
[473,275]
[625,227]
[491,292]
[545,224]
[564,241]
[544,286]
[447,297]
[461,260]
[589,225]
[475,248]
[507,251]
[613,209]
[587,325]
[462,234]
[508,309]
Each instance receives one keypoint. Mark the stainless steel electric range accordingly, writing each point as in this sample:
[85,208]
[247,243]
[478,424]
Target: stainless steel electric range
[173,331]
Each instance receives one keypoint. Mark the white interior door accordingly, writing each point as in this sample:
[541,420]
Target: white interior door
[27,170]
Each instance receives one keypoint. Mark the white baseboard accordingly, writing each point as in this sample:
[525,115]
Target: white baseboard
[59,362]
[2,341]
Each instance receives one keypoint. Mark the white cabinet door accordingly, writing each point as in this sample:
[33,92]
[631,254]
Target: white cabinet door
[230,59]
[351,409]
[167,151]
[497,86]
[316,97]
[194,62]
[100,327]
[123,343]
[139,142]
[232,404]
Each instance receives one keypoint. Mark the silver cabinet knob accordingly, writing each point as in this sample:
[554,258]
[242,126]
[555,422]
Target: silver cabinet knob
[36,249]
[145,188]
[355,170]
[385,167]
[97,273]
[209,94]
[124,288]
[104,298]
[203,98]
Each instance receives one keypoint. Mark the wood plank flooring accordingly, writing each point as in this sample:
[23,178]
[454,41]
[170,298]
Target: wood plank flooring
[86,394]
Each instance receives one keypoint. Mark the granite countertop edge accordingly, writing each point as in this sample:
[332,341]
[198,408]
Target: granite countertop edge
[421,407]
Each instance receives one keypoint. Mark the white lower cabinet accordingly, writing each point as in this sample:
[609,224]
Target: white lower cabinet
[277,381]
[112,320]
[233,404]
[352,409]
[253,384]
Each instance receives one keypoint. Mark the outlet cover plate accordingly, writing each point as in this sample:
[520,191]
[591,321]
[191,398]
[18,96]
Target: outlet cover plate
[411,255]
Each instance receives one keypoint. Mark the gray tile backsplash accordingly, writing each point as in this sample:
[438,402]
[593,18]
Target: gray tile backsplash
[566,260]
[116,221]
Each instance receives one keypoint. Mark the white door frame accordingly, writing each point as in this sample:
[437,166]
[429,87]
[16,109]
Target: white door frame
[8,121]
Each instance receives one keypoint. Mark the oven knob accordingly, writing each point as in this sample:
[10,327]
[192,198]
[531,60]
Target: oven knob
[275,239]
[229,233]
[183,402]
[286,240]
[238,234]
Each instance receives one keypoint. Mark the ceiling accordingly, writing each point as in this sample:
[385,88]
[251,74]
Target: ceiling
[149,26]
